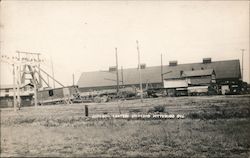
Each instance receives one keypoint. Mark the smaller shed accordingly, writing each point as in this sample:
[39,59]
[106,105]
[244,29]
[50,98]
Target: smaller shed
[176,83]
[182,82]
[6,95]
[57,95]
[200,77]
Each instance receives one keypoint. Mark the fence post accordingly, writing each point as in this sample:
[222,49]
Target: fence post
[86,110]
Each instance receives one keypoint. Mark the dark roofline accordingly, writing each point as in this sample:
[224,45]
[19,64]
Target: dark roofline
[202,62]
[153,66]
[155,70]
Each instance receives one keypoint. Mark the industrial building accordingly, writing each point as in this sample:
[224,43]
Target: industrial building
[205,77]
[226,74]
[6,95]
[190,82]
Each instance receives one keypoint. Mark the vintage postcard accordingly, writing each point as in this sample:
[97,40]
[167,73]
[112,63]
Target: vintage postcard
[124,78]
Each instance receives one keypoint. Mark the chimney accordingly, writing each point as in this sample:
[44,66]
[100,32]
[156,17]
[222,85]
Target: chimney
[173,63]
[112,68]
[207,60]
[143,66]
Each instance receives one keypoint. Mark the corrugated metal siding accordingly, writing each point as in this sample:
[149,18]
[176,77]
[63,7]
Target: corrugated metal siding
[201,80]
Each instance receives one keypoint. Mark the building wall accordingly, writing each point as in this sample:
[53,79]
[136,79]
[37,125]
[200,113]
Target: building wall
[58,93]
[144,85]
[6,102]
[201,80]
[175,83]
[27,90]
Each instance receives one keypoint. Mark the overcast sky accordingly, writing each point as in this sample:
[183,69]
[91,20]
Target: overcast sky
[81,36]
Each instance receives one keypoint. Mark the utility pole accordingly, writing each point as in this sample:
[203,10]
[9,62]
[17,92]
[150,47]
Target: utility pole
[73,75]
[161,71]
[18,82]
[48,81]
[122,76]
[35,92]
[39,72]
[14,88]
[52,68]
[242,62]
[139,64]
[117,73]
[249,65]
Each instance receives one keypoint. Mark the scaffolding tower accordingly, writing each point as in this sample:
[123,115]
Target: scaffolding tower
[26,68]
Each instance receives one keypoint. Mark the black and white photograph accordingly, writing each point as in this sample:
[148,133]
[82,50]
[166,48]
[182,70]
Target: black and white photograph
[126,78]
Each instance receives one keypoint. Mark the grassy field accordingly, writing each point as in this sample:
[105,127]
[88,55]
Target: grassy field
[216,126]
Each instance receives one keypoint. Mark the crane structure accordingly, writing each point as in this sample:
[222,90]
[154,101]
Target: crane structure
[26,68]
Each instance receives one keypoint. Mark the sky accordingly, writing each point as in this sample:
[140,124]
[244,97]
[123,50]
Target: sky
[81,36]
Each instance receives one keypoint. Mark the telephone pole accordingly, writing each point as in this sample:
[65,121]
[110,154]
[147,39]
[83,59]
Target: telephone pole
[242,62]
[39,72]
[52,68]
[139,64]
[122,76]
[73,75]
[161,71]
[14,88]
[117,73]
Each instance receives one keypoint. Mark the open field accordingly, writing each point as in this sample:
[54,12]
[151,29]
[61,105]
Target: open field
[217,126]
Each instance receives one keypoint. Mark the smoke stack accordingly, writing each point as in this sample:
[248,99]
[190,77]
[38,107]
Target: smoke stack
[207,60]
[173,63]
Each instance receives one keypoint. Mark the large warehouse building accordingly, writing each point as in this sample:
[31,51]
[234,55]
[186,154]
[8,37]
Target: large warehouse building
[226,72]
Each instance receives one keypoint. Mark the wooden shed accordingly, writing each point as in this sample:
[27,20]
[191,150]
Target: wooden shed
[57,95]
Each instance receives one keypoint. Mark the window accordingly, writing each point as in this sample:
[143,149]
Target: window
[7,90]
[181,72]
[51,93]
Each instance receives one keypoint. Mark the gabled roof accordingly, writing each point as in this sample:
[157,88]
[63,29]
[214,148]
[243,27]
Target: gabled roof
[130,76]
[194,73]
[182,74]
[200,81]
[223,69]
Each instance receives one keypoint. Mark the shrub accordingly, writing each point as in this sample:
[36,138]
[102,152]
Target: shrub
[158,108]
[194,115]
[135,110]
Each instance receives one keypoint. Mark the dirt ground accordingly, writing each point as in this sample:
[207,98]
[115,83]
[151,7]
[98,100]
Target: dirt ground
[214,126]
